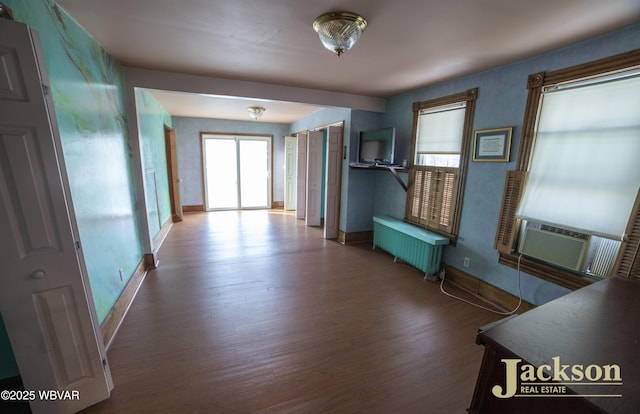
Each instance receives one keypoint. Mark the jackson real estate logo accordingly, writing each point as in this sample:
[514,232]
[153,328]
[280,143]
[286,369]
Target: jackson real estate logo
[551,380]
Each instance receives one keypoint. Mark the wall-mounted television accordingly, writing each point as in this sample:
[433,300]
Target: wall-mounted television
[376,146]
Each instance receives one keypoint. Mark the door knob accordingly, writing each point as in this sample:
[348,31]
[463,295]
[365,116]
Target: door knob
[38,274]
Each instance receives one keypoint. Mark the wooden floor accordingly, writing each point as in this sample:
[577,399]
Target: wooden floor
[252,312]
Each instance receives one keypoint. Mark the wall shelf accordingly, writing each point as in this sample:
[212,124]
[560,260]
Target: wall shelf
[393,169]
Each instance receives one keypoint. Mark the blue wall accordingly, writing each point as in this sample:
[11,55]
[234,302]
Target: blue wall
[361,183]
[190,158]
[501,102]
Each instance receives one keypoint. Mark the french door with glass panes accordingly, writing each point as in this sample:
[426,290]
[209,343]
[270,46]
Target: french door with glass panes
[237,172]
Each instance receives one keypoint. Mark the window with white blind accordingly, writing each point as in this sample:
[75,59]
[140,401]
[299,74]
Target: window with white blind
[440,146]
[577,177]
[440,132]
[584,172]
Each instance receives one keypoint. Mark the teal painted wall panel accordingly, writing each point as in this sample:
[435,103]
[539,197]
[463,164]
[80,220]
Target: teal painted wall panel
[152,118]
[88,91]
[8,364]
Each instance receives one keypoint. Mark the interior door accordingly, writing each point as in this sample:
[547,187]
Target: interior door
[172,171]
[301,178]
[333,183]
[45,298]
[315,142]
[290,184]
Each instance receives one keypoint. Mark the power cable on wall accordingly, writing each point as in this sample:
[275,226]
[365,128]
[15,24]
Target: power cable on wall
[442,278]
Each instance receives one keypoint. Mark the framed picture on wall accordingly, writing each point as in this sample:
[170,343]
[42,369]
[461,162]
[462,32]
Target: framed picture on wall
[492,145]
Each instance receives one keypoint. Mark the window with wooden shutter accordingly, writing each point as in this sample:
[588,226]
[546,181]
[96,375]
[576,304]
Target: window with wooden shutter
[432,197]
[628,261]
[508,224]
[606,71]
[442,130]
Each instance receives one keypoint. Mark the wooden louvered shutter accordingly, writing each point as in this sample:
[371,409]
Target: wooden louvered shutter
[508,225]
[426,204]
[414,195]
[433,196]
[628,261]
[420,192]
[447,179]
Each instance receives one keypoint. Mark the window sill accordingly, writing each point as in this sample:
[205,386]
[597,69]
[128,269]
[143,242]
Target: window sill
[549,273]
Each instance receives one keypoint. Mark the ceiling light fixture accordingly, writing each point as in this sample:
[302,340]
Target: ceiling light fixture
[255,111]
[339,31]
[5,12]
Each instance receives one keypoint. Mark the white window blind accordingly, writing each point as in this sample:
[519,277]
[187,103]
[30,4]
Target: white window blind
[585,167]
[440,130]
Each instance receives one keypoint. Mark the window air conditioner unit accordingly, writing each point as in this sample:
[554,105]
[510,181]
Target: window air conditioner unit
[556,246]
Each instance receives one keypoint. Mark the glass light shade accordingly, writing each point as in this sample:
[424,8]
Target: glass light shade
[5,12]
[339,31]
[255,111]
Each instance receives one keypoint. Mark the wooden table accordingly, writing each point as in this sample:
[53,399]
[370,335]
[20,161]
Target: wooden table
[591,331]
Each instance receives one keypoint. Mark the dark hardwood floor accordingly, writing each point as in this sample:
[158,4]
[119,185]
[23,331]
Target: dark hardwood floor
[252,312]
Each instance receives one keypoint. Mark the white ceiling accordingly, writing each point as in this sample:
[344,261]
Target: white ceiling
[407,43]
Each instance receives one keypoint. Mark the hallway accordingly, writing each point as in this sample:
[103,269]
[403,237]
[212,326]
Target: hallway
[253,312]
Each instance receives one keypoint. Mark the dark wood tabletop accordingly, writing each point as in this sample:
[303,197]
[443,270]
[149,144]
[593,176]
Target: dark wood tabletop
[590,331]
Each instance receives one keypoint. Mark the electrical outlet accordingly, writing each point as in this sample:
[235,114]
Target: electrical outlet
[466,262]
[121,274]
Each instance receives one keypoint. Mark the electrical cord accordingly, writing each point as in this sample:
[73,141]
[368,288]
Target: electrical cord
[483,307]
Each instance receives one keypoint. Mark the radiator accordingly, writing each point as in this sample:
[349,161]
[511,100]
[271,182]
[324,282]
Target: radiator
[408,243]
[604,258]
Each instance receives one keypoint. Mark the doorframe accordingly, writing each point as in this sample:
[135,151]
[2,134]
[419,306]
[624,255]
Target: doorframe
[172,173]
[235,135]
[340,124]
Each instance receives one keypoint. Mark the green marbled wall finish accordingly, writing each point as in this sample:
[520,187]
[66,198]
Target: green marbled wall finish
[152,118]
[88,93]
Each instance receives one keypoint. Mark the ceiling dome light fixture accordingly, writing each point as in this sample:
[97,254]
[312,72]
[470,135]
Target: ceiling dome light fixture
[255,111]
[339,31]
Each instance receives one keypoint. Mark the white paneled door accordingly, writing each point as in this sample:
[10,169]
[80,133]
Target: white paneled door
[333,182]
[301,177]
[45,298]
[290,167]
[314,178]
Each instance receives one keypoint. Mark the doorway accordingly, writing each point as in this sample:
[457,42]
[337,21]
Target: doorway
[319,162]
[236,172]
